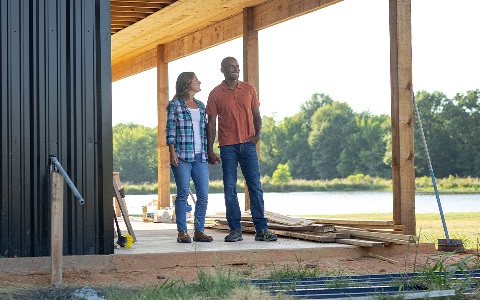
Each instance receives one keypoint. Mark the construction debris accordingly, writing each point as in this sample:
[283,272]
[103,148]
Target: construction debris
[352,232]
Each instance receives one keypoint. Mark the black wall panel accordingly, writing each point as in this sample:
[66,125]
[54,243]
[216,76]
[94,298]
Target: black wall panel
[55,86]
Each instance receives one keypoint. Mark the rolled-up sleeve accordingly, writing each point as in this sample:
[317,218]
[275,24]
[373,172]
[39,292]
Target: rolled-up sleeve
[170,131]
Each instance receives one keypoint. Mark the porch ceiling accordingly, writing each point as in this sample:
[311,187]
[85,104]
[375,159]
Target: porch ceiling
[140,25]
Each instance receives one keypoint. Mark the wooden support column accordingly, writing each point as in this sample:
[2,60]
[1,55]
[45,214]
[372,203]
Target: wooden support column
[250,65]
[163,155]
[56,248]
[402,115]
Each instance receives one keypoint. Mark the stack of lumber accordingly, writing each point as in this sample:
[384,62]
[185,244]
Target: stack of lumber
[352,232]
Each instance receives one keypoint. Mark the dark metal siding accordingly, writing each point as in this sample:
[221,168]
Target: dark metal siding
[55,86]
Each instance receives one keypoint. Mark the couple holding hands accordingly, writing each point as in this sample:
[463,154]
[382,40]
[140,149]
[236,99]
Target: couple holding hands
[191,131]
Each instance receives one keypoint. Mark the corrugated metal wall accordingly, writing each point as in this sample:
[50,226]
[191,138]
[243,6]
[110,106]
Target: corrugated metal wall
[55,84]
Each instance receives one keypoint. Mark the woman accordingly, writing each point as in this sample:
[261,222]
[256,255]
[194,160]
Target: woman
[187,143]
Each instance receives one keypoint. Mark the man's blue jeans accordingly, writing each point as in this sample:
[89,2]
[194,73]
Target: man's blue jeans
[198,172]
[246,155]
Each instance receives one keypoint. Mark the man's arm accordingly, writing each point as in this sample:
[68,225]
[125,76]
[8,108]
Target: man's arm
[213,159]
[257,124]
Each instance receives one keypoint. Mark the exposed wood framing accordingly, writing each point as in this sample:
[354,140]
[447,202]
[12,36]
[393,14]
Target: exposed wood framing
[402,115]
[163,155]
[135,65]
[250,66]
[130,44]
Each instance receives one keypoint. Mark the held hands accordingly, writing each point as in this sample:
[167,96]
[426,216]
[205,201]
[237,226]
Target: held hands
[213,159]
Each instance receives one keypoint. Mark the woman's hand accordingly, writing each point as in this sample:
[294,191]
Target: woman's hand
[173,155]
[173,159]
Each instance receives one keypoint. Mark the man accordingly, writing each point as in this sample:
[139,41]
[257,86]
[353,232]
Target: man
[239,124]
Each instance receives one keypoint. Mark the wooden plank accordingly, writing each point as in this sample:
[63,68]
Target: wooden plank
[116,177]
[162,150]
[123,209]
[304,236]
[351,222]
[403,173]
[362,243]
[282,219]
[392,238]
[56,248]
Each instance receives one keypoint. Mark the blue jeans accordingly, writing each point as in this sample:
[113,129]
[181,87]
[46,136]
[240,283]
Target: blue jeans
[246,155]
[198,172]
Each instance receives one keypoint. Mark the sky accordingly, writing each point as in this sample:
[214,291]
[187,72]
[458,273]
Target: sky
[342,50]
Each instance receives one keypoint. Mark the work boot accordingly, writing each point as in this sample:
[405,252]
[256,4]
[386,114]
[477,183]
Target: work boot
[234,236]
[265,235]
[200,236]
[183,237]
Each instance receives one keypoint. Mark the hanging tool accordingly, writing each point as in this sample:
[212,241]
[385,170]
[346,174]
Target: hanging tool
[446,244]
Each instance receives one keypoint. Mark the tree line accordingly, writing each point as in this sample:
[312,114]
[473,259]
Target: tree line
[326,139]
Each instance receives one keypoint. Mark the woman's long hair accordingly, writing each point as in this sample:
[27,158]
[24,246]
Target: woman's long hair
[183,85]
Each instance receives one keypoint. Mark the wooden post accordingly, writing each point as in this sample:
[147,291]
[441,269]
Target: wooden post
[403,173]
[56,250]
[250,67]
[163,155]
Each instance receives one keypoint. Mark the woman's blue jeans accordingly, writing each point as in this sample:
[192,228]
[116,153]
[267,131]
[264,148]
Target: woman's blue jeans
[246,155]
[198,172]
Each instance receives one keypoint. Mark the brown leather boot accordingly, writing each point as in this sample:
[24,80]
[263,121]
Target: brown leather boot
[200,236]
[183,237]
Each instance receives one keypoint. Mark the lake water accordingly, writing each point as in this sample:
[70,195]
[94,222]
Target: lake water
[329,203]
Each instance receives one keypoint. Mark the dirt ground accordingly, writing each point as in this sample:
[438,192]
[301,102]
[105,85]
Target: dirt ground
[368,264]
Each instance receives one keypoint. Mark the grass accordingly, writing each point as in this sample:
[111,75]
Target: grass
[463,226]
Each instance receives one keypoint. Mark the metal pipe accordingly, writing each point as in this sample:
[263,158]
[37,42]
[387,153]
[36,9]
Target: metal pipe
[67,179]
[431,170]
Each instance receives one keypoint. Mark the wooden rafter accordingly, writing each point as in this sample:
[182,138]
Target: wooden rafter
[124,13]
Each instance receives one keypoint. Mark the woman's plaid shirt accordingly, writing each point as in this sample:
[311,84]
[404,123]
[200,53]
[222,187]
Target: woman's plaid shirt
[179,129]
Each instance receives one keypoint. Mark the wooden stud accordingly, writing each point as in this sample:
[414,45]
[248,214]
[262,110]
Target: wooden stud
[56,250]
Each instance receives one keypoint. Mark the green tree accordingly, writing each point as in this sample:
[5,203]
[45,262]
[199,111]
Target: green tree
[282,174]
[464,125]
[135,152]
[269,152]
[437,130]
[332,125]
[365,149]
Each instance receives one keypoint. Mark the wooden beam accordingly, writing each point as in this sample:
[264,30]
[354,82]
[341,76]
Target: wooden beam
[163,155]
[250,68]
[403,173]
[205,38]
[137,64]
[181,41]
[263,16]
[274,12]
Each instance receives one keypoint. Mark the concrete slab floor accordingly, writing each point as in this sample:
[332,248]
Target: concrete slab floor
[162,238]
[156,248]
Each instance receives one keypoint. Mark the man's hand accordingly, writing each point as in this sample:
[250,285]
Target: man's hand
[213,159]
[254,139]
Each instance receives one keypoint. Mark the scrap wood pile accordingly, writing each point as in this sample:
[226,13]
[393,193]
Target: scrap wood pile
[352,232]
